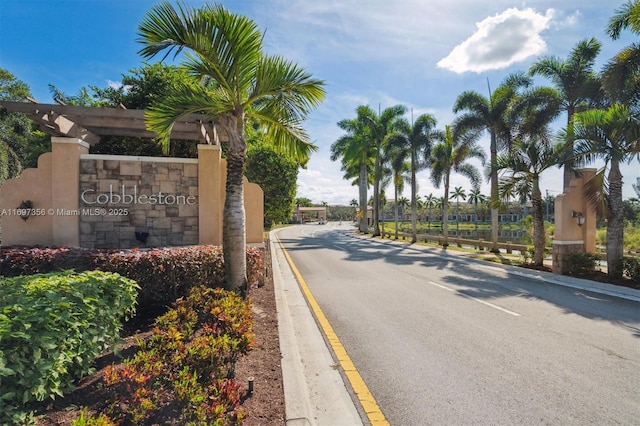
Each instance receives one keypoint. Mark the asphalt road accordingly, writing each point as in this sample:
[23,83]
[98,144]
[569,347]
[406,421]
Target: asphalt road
[444,341]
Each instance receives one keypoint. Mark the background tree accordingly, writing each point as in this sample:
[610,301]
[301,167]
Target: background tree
[430,202]
[475,198]
[304,202]
[621,76]
[418,140]
[396,152]
[277,176]
[522,168]
[356,153]
[236,80]
[15,129]
[451,155]
[612,135]
[490,114]
[379,126]
[577,83]
[457,193]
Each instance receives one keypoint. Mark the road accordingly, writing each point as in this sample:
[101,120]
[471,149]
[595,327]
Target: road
[446,341]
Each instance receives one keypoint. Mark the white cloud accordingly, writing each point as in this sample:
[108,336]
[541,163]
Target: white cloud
[500,41]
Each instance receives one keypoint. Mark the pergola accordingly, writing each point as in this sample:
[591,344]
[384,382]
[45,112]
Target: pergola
[90,123]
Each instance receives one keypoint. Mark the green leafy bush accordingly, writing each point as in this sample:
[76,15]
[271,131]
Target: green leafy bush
[188,362]
[582,264]
[51,329]
[631,268]
[163,275]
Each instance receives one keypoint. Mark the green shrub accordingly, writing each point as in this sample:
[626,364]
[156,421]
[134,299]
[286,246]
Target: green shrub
[188,362]
[582,264]
[51,329]
[631,268]
[163,275]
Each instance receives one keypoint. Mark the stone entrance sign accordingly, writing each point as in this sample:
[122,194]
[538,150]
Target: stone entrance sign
[78,199]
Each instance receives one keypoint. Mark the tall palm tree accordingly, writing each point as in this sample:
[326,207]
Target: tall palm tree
[490,114]
[404,202]
[419,139]
[379,126]
[621,76]
[451,155]
[457,193]
[612,135]
[475,198]
[356,151]
[396,154]
[577,83]
[234,80]
[430,202]
[522,167]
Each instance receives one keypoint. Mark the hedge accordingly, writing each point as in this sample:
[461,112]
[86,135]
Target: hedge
[51,329]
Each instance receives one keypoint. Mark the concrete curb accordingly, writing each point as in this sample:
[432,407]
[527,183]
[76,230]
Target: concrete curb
[548,277]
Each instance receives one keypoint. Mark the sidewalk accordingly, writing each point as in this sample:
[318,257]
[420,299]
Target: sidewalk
[548,277]
[315,392]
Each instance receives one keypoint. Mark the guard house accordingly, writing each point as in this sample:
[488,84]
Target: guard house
[300,214]
[77,199]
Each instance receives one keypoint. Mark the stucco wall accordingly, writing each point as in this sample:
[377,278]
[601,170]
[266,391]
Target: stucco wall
[102,201]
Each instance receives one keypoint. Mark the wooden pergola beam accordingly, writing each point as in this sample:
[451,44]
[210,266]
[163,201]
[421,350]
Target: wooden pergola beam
[89,123]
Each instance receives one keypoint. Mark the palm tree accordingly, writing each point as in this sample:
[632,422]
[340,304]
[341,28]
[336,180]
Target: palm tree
[379,125]
[403,202]
[475,198]
[458,193]
[430,203]
[396,153]
[234,80]
[522,167]
[490,114]
[612,135]
[356,152]
[621,76]
[451,155]
[418,138]
[577,83]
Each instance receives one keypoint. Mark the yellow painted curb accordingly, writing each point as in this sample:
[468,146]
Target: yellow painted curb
[368,402]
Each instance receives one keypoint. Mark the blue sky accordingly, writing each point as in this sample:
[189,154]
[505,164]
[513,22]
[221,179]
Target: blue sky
[418,53]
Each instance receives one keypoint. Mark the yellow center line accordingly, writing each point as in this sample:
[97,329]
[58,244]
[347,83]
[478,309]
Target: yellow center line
[368,402]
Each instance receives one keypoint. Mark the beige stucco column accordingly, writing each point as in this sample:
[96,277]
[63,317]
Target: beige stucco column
[569,236]
[210,194]
[65,189]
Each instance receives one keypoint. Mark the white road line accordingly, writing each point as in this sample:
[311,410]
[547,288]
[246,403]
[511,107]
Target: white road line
[491,305]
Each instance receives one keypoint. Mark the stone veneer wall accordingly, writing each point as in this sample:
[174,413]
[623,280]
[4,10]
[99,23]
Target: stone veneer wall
[106,225]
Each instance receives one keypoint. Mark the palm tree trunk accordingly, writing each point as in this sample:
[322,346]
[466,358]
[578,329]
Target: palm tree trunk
[567,170]
[494,193]
[395,197]
[539,238]
[376,198]
[414,234]
[234,229]
[234,235]
[364,225]
[445,214]
[615,225]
